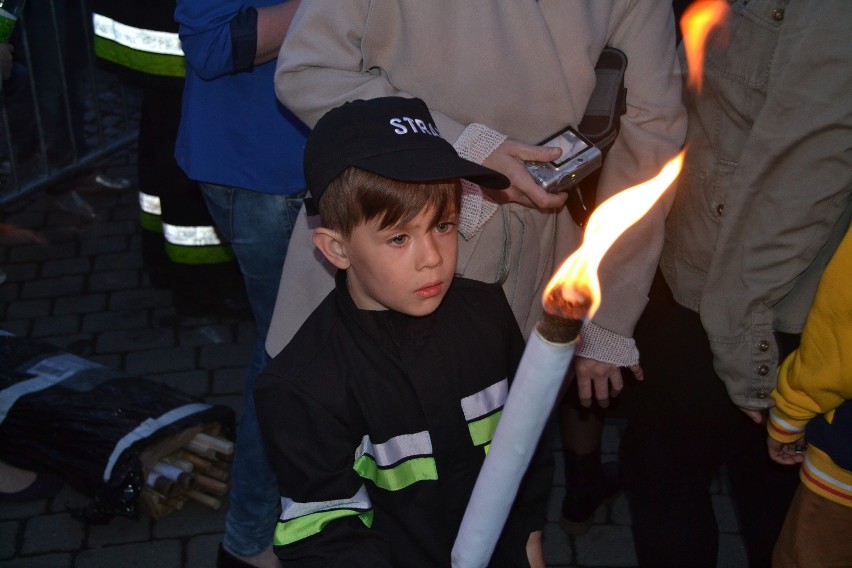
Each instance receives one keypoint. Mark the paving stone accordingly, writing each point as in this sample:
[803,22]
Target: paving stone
[193,519]
[38,253]
[143,298]
[120,531]
[64,266]
[558,550]
[52,533]
[114,280]
[118,260]
[54,287]
[154,554]
[113,228]
[16,327]
[41,561]
[732,552]
[80,304]
[102,245]
[114,320]
[218,356]
[726,515]
[195,382]
[158,361]
[55,325]
[201,551]
[140,339]
[606,545]
[30,309]
[8,539]
[19,272]
[212,334]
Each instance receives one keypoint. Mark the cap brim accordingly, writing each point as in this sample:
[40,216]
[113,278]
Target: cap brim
[423,165]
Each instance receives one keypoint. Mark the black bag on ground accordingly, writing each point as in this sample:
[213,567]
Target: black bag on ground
[88,423]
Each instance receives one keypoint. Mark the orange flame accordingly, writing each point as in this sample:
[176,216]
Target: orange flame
[698,19]
[577,278]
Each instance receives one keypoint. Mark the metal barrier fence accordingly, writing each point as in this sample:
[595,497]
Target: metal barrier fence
[59,114]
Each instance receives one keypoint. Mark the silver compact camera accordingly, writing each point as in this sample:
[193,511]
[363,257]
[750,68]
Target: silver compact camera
[579,158]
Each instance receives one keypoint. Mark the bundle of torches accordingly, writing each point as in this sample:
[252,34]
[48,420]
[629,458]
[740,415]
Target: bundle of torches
[192,466]
[570,298]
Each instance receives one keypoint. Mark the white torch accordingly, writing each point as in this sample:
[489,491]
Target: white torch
[572,295]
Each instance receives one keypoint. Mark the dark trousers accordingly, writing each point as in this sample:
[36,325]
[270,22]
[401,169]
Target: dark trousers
[682,427]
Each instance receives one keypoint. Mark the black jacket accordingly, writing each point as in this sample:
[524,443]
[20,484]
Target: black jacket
[411,404]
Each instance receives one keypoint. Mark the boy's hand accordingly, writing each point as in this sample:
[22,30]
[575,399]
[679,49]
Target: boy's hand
[508,159]
[786,454]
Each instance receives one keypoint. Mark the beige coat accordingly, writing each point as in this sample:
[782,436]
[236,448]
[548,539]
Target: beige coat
[522,68]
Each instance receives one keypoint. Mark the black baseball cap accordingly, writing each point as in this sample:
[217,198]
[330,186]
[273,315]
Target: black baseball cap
[394,137]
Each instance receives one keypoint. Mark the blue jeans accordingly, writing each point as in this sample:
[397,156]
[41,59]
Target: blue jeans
[258,226]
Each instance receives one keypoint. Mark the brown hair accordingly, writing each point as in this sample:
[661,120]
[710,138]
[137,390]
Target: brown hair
[357,196]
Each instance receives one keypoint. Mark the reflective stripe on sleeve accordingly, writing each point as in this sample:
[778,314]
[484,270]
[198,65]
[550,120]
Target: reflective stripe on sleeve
[301,520]
[482,411]
[397,463]
[149,51]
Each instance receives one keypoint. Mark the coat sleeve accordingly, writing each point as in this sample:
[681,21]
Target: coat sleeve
[817,377]
[651,133]
[326,511]
[785,195]
[212,32]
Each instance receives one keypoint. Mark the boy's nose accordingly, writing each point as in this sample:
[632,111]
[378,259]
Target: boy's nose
[430,254]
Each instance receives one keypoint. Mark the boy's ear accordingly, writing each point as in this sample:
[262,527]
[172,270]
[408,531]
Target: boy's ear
[330,244]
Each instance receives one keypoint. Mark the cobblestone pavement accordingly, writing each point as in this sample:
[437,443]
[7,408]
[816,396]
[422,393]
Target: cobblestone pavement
[85,291]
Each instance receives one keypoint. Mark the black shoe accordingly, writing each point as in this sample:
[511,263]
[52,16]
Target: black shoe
[42,487]
[227,560]
[588,486]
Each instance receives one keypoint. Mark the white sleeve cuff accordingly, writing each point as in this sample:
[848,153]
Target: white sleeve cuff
[476,143]
[603,345]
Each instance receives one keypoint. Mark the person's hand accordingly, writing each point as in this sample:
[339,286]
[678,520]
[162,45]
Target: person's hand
[786,454]
[535,553]
[508,159]
[600,381]
[757,415]
[6,55]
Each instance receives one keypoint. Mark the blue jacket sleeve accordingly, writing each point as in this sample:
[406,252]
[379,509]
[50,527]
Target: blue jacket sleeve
[219,38]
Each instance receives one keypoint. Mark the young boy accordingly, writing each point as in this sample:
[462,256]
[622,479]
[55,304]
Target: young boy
[380,411]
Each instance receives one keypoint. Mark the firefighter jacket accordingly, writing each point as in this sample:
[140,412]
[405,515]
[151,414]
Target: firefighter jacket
[378,424]
[139,42]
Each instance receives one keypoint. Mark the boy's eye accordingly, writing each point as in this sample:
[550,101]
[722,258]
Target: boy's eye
[444,227]
[398,239]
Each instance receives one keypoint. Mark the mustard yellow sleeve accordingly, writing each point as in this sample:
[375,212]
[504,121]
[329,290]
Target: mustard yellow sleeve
[817,377]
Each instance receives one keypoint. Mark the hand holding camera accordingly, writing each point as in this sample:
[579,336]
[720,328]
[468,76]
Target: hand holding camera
[579,158]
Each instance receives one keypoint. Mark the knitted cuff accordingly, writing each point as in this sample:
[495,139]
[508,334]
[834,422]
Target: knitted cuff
[476,143]
[603,345]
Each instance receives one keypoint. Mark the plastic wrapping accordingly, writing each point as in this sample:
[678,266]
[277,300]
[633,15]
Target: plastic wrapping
[88,423]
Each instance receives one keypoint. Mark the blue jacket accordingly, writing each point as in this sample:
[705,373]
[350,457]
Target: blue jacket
[233,130]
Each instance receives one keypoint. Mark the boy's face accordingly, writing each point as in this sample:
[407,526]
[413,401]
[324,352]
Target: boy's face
[404,268]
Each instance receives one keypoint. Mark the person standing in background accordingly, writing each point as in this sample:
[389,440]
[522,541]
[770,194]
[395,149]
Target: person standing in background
[813,412]
[245,149]
[181,249]
[764,198]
